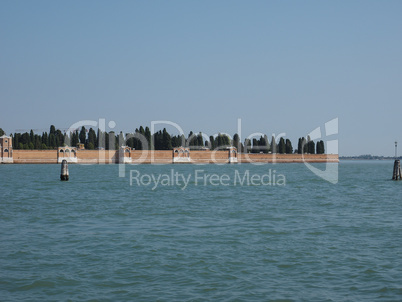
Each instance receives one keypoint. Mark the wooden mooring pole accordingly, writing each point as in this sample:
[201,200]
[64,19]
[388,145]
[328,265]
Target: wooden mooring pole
[396,175]
[64,170]
[397,170]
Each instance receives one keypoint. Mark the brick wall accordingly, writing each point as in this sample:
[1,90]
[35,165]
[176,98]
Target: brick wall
[164,157]
[35,156]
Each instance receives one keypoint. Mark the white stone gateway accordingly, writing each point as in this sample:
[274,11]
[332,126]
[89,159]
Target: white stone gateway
[125,155]
[232,155]
[181,155]
[67,153]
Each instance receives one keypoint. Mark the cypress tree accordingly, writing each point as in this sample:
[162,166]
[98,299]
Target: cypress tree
[300,146]
[273,145]
[212,143]
[182,140]
[52,130]
[304,146]
[166,140]
[38,142]
[289,148]
[219,141]
[267,145]
[226,140]
[91,141]
[112,140]
[261,145]
[52,141]
[119,140]
[83,135]
[282,146]
[148,136]
[59,138]
[236,141]
[200,140]
[320,147]
[74,139]
[16,141]
[100,142]
[310,146]
[247,146]
[31,136]
[255,148]
[66,139]
[107,141]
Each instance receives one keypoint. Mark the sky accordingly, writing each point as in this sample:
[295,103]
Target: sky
[280,66]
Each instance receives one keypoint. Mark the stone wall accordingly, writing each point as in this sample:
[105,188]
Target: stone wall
[165,157]
[35,156]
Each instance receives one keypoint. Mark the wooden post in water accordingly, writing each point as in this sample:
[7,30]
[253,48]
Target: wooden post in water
[397,170]
[396,175]
[64,170]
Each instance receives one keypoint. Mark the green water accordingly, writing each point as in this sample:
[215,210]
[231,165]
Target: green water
[98,238]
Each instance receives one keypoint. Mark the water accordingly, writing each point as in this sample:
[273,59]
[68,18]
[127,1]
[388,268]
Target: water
[97,238]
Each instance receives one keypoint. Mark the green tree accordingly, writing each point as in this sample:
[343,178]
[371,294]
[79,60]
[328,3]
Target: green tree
[273,145]
[263,144]
[267,144]
[212,144]
[59,138]
[25,139]
[226,140]
[74,139]
[31,136]
[91,141]
[138,144]
[304,146]
[107,141]
[2,132]
[52,141]
[52,130]
[282,146]
[300,146]
[166,140]
[255,148]
[38,142]
[45,139]
[236,141]
[289,148]
[16,140]
[320,147]
[120,141]
[148,136]
[192,139]
[83,135]
[200,140]
[247,146]
[100,142]
[310,146]
[66,139]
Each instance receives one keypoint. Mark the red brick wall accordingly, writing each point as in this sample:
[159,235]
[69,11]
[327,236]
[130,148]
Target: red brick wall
[163,157]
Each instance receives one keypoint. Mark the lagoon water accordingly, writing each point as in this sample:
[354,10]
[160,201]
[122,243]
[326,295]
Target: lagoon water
[98,238]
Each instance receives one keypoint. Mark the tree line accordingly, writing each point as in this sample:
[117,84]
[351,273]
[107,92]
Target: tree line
[142,139]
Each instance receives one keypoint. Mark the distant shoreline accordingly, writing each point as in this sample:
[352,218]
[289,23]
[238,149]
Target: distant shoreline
[368,157]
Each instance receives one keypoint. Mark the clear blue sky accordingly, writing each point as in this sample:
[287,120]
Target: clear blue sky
[280,66]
